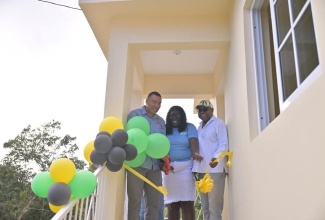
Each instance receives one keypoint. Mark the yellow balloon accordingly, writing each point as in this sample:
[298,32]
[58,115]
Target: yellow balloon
[62,170]
[110,124]
[88,149]
[55,208]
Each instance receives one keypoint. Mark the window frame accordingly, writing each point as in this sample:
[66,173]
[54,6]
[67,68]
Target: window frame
[259,70]
[259,60]
[301,86]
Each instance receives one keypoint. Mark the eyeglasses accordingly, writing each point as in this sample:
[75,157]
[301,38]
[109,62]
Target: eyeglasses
[202,109]
[175,115]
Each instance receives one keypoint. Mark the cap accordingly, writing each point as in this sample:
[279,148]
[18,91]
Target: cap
[205,103]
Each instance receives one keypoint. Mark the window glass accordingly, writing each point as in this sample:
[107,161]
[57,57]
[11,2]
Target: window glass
[306,45]
[283,63]
[297,5]
[288,73]
[282,19]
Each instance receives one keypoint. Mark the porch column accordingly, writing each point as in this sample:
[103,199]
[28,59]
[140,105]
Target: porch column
[119,83]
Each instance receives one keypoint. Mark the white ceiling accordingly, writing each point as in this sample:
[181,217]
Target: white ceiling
[199,55]
[179,61]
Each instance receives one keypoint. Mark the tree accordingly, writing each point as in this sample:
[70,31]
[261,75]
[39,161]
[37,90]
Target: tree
[31,151]
[16,193]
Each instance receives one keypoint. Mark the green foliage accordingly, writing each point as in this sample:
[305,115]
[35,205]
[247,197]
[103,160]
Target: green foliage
[31,151]
[197,206]
[17,200]
[41,146]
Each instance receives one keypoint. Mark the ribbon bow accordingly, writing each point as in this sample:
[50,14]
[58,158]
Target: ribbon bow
[205,184]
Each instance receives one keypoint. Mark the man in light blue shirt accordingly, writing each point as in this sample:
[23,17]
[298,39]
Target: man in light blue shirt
[137,188]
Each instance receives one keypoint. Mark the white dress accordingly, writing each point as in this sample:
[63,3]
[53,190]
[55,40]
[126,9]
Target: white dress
[179,183]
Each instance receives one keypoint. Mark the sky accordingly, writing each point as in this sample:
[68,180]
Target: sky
[52,68]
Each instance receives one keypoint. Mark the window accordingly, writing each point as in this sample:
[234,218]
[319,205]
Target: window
[285,52]
[295,43]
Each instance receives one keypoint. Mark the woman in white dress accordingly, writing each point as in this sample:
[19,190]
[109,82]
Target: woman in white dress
[184,148]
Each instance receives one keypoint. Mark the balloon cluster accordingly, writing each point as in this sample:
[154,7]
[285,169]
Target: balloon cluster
[110,146]
[112,150]
[62,183]
[114,146]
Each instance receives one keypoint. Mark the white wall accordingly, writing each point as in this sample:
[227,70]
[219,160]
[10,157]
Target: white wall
[279,174]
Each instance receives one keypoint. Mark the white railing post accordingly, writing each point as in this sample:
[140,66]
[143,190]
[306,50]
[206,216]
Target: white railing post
[76,209]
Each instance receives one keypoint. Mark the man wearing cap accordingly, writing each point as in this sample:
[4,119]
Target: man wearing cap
[213,139]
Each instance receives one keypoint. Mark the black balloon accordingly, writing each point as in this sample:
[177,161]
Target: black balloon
[116,155]
[119,137]
[131,151]
[104,133]
[98,158]
[59,194]
[103,143]
[113,167]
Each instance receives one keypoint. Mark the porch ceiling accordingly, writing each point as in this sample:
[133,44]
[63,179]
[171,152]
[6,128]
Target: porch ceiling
[197,60]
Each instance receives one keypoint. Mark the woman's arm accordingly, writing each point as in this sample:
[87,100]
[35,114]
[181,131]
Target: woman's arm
[194,145]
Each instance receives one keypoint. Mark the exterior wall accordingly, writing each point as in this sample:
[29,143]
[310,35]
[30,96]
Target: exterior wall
[279,173]
[275,174]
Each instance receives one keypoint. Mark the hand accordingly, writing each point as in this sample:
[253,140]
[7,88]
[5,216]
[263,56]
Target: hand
[213,163]
[196,157]
[165,165]
[161,164]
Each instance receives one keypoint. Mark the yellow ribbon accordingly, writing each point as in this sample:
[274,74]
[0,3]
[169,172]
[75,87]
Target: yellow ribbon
[222,154]
[161,189]
[205,184]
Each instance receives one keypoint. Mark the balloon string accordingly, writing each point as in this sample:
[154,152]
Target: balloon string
[161,189]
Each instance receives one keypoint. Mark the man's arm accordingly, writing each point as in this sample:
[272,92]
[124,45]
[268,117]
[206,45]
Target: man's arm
[223,143]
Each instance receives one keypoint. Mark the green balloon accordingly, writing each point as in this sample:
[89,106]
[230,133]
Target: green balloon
[83,184]
[140,158]
[158,145]
[138,122]
[138,138]
[41,183]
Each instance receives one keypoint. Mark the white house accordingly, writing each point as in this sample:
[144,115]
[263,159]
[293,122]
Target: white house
[260,62]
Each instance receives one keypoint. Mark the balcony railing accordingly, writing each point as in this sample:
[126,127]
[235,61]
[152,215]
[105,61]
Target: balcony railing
[90,207]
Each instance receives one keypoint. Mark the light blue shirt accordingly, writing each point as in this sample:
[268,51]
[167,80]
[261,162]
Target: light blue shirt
[157,125]
[179,143]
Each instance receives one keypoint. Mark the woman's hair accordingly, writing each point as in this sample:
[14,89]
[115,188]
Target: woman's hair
[183,121]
